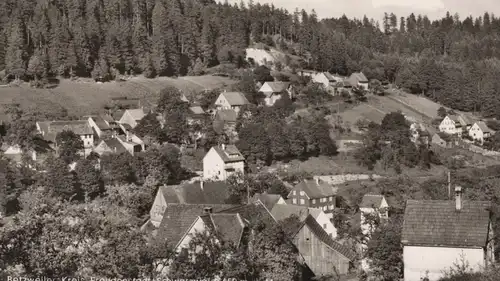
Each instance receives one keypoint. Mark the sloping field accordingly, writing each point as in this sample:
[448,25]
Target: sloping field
[362,111]
[419,104]
[86,97]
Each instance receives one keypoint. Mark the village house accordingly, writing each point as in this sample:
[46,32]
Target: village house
[372,204]
[480,132]
[50,129]
[442,141]
[211,192]
[281,212]
[358,79]
[222,161]
[326,79]
[130,118]
[225,122]
[268,200]
[438,234]
[110,146]
[231,100]
[455,124]
[104,125]
[314,194]
[273,90]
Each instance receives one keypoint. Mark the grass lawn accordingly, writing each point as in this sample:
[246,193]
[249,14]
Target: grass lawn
[83,96]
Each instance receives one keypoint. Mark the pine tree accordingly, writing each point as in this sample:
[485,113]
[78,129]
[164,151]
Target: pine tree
[161,43]
[16,55]
[207,38]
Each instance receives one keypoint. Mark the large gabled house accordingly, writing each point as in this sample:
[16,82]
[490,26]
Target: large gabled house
[372,204]
[110,146]
[273,91]
[50,129]
[439,234]
[326,79]
[358,79]
[314,193]
[455,124]
[222,161]
[231,100]
[480,132]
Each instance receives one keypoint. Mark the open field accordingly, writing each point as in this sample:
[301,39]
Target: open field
[83,96]
[420,104]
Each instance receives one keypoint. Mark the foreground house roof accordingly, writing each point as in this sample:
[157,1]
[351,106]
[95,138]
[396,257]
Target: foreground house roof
[212,192]
[438,223]
[178,218]
[229,226]
[50,129]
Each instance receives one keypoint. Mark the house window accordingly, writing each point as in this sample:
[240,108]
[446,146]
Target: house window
[295,192]
[331,199]
[301,193]
[314,201]
[294,201]
[302,202]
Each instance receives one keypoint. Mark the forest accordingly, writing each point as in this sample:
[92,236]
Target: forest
[451,60]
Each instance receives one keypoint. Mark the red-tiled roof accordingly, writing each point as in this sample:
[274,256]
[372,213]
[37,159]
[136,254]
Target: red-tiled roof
[438,223]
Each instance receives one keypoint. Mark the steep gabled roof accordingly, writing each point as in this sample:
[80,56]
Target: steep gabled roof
[315,189]
[178,218]
[278,87]
[235,98]
[438,223]
[281,212]
[50,129]
[197,110]
[213,192]
[229,154]
[229,226]
[484,127]
[371,201]
[136,114]
[254,212]
[269,200]
[322,235]
[115,145]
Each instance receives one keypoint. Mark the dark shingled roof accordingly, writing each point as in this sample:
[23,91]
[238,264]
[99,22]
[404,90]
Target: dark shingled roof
[50,129]
[178,218]
[317,190]
[229,154]
[115,145]
[278,87]
[438,223]
[230,226]
[213,192]
[371,201]
[118,114]
[281,212]
[321,234]
[235,98]
[252,213]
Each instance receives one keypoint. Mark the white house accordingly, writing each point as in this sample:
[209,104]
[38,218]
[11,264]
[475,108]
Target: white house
[272,91]
[438,234]
[455,124]
[326,79]
[104,125]
[222,161]
[372,204]
[480,131]
[131,117]
[231,100]
[281,212]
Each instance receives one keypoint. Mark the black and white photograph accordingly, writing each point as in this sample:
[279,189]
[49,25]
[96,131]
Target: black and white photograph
[249,140]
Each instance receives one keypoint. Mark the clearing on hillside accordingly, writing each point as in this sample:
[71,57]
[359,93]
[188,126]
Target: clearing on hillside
[84,96]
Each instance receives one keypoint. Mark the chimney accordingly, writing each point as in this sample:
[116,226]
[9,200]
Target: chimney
[458,198]
[207,210]
[223,146]
[317,180]
[201,184]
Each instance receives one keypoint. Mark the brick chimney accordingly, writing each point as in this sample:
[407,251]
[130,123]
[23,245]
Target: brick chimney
[458,198]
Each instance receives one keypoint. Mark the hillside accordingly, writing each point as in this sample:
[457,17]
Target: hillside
[261,55]
[83,96]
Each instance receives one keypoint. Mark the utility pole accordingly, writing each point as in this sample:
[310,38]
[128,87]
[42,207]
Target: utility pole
[449,184]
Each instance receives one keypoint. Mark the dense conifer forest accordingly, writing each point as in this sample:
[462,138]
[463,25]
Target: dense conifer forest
[452,60]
